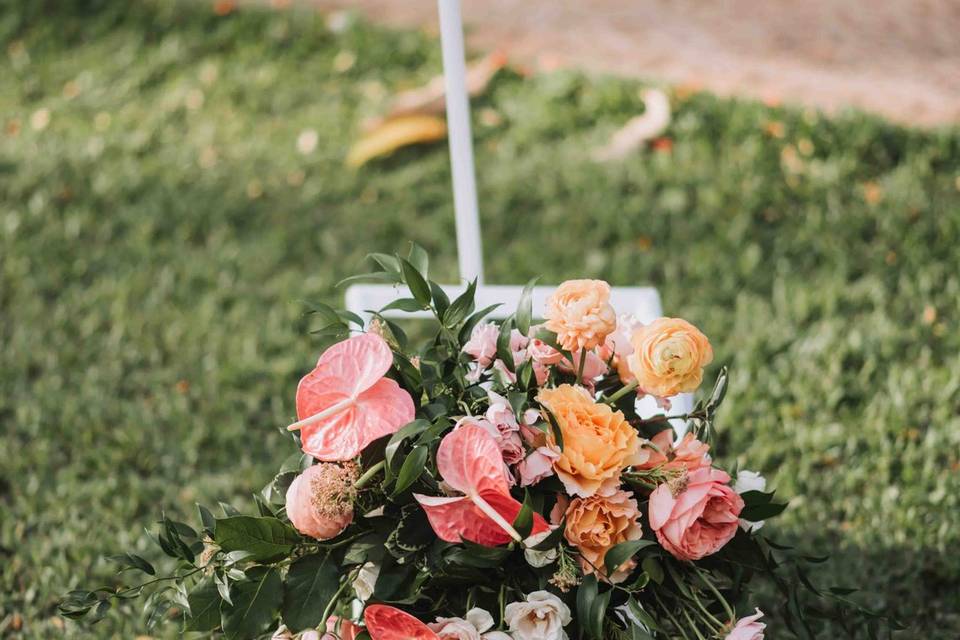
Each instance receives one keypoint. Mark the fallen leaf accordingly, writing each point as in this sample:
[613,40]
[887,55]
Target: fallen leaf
[638,130]
[395,134]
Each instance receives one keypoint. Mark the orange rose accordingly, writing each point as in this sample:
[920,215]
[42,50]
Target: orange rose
[597,524]
[668,357]
[579,312]
[598,442]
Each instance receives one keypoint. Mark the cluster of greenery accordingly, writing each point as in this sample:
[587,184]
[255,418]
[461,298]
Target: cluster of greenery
[160,228]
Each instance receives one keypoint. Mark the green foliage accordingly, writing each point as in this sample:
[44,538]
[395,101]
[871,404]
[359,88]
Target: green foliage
[154,253]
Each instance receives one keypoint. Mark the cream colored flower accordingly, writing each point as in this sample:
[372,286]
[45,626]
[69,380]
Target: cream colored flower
[598,442]
[668,357]
[579,312]
[366,580]
[597,524]
[541,617]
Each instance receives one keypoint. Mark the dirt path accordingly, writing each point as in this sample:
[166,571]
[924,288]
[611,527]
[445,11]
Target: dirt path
[899,58]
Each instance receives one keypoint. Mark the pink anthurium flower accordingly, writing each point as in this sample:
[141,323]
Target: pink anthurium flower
[345,403]
[470,462]
[389,623]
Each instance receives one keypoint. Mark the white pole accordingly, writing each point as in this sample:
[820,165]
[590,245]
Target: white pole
[469,252]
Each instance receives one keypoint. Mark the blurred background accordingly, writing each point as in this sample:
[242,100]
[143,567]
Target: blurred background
[175,184]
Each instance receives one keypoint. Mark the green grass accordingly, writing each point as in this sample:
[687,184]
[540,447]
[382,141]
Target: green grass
[158,235]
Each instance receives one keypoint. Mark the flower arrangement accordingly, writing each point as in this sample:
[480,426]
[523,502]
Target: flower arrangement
[495,483]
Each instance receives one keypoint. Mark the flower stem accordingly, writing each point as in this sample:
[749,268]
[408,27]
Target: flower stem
[622,392]
[368,475]
[726,605]
[583,361]
[333,601]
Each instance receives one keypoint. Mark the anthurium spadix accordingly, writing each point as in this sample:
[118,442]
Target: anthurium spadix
[470,462]
[389,623]
[346,403]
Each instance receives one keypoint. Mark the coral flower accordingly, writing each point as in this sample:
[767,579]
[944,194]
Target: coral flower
[389,623]
[695,520]
[320,500]
[668,357]
[597,524]
[598,442]
[345,403]
[579,312]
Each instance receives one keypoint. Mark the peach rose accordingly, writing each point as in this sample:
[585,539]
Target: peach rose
[579,312]
[689,454]
[597,524]
[598,442]
[668,357]
[695,520]
[320,500]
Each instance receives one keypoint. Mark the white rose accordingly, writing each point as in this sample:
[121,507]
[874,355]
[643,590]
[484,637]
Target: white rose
[749,481]
[473,627]
[542,617]
[366,580]
[539,558]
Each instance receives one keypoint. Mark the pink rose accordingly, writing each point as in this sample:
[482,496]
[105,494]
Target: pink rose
[695,520]
[500,413]
[482,345]
[537,466]
[320,500]
[542,355]
[748,628]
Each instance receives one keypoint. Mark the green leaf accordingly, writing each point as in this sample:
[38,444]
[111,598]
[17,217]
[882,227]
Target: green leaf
[462,306]
[407,431]
[652,567]
[413,466]
[525,307]
[759,512]
[416,283]
[376,276]
[207,518]
[523,523]
[408,305]
[310,584]
[477,556]
[552,540]
[587,602]
[440,300]
[129,561]
[554,428]
[473,320]
[256,601]
[419,258]
[503,344]
[265,539]
[622,552]
[389,263]
[204,603]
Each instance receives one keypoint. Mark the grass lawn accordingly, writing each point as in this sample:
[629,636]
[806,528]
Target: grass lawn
[159,229]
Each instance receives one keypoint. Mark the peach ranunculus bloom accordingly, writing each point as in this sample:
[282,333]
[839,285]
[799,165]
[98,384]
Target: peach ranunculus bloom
[689,453]
[598,442]
[597,524]
[668,357]
[748,628]
[696,520]
[579,312]
[320,500]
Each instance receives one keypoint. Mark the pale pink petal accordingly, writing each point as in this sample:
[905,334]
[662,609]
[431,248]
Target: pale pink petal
[379,411]
[469,460]
[361,359]
[661,506]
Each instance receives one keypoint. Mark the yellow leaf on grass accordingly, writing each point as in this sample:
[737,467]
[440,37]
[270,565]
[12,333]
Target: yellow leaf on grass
[394,134]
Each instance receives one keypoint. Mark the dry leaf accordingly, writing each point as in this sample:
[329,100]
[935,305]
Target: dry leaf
[395,134]
[649,125]
[429,99]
